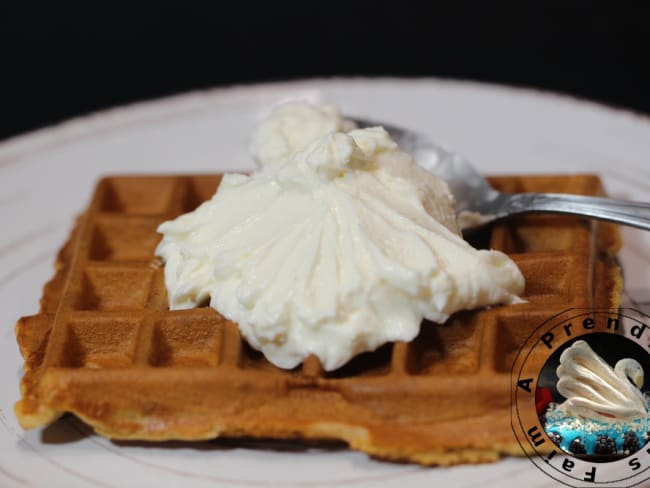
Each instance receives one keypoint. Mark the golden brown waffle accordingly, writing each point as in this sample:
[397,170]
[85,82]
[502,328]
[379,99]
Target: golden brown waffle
[106,348]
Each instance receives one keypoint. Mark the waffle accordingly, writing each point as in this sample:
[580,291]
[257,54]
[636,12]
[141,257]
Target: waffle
[106,348]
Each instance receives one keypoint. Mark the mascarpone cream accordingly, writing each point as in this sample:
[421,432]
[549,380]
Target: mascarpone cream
[290,128]
[332,250]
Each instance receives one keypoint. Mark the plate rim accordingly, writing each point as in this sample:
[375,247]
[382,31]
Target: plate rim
[114,117]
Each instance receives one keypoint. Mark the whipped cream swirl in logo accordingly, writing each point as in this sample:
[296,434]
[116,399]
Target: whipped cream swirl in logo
[593,389]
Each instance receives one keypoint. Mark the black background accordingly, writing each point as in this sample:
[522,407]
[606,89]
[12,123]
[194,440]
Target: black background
[60,59]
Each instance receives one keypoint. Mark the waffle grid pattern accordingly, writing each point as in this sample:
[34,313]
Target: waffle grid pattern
[106,347]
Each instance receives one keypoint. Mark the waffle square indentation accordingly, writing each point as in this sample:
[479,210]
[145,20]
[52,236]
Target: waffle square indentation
[538,233]
[202,188]
[452,347]
[124,239]
[129,195]
[107,288]
[100,342]
[511,333]
[188,338]
[547,278]
[374,363]
[253,359]
[192,191]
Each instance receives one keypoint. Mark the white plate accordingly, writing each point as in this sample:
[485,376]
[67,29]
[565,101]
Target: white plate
[47,177]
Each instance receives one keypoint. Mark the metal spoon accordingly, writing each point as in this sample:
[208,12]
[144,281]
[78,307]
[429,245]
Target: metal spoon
[477,203]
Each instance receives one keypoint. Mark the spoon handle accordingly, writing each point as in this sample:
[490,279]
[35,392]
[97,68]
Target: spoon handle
[635,214]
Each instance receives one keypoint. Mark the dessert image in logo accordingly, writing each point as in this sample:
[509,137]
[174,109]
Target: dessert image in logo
[594,406]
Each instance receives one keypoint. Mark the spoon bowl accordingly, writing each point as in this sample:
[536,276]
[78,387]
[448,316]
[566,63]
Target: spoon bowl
[478,203]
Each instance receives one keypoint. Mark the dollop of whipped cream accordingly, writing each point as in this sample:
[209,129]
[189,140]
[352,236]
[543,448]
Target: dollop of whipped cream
[344,246]
[593,389]
[291,127]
